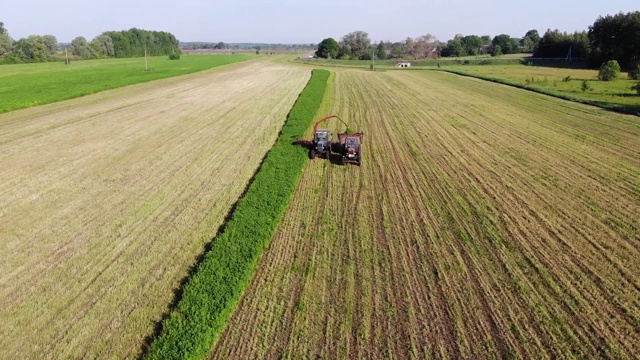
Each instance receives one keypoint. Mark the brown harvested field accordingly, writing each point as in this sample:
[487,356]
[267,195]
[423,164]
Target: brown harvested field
[107,200]
[485,222]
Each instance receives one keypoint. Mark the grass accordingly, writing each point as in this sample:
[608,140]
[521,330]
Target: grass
[109,199]
[562,82]
[26,85]
[478,226]
[212,292]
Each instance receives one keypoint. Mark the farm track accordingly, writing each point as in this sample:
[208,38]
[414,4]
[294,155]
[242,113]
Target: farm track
[485,222]
[107,200]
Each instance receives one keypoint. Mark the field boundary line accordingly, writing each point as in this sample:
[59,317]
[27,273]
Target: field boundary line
[210,295]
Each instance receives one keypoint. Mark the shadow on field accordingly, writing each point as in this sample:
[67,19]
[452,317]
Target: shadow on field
[334,158]
[624,109]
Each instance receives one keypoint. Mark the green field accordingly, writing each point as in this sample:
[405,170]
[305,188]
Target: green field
[616,95]
[26,85]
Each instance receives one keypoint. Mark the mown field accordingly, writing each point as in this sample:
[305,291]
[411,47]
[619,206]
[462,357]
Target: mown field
[27,85]
[485,222]
[547,76]
[108,200]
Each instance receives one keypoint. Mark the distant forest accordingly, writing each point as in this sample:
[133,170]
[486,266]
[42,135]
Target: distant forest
[109,44]
[613,37]
[198,45]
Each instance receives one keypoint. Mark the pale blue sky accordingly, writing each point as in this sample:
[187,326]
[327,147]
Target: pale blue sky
[288,21]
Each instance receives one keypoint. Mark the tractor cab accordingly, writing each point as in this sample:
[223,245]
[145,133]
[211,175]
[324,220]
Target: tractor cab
[322,135]
[351,147]
[321,143]
[352,143]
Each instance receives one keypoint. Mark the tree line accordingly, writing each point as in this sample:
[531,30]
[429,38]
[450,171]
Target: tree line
[613,37]
[120,44]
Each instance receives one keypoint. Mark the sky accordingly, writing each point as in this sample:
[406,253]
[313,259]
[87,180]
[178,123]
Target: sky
[302,22]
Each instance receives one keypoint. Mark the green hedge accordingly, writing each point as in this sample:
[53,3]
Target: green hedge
[211,294]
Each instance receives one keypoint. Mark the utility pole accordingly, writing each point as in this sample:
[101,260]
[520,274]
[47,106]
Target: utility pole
[66,57]
[373,57]
[146,65]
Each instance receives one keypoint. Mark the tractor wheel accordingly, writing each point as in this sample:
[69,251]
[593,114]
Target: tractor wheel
[359,158]
[344,160]
[312,154]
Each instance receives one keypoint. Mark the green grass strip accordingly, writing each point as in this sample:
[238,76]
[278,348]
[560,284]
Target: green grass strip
[211,294]
[27,85]
[619,108]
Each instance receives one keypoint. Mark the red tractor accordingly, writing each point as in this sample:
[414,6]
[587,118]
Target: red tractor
[351,147]
[350,143]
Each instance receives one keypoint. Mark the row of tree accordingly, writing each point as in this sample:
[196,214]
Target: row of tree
[128,43]
[613,37]
[245,46]
[357,45]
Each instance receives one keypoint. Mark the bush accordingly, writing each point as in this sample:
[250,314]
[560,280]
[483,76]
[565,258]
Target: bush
[635,73]
[174,56]
[10,58]
[636,87]
[609,71]
[212,292]
[567,79]
[585,86]
[497,51]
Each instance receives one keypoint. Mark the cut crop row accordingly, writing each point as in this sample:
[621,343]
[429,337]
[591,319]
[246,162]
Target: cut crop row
[211,294]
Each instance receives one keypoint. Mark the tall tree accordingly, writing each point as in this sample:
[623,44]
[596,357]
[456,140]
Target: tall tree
[472,44]
[455,48]
[51,42]
[530,41]
[556,44]
[103,45]
[6,42]
[356,45]
[328,49]
[425,46]
[507,44]
[396,50]
[381,51]
[616,37]
[80,47]
[134,42]
[32,49]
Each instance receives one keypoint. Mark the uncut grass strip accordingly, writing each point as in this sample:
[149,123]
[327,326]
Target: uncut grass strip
[210,295]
